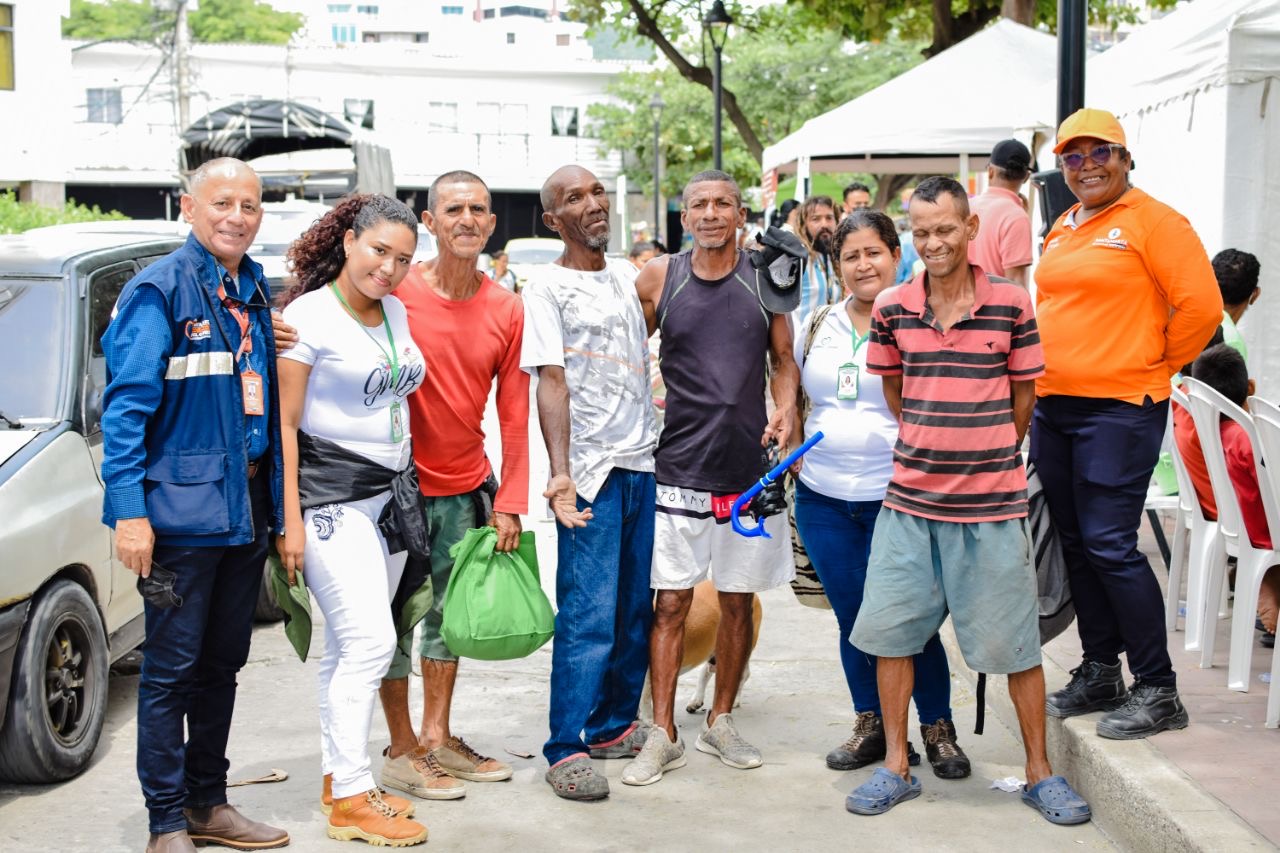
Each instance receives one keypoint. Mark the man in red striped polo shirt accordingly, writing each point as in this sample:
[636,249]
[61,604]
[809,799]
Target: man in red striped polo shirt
[959,353]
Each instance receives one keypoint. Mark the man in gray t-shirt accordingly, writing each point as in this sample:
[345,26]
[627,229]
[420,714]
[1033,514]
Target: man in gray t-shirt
[585,339]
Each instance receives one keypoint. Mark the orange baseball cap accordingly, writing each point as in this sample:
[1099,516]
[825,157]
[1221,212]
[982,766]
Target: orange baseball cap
[1098,124]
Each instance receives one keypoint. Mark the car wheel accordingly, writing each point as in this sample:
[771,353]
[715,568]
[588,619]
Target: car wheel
[59,695]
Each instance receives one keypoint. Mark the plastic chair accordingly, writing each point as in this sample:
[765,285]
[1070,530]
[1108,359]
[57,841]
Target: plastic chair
[1199,538]
[1266,422]
[1208,407]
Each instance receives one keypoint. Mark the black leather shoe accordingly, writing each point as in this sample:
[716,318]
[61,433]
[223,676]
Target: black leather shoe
[865,746]
[1093,687]
[1148,710]
[945,755]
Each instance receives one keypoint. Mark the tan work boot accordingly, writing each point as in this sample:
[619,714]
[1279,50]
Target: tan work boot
[418,772]
[461,761]
[367,817]
[400,804]
[225,826]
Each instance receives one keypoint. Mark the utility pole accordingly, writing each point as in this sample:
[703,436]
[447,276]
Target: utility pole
[182,65]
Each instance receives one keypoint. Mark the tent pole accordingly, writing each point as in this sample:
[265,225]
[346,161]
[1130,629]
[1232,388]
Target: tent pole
[1073,17]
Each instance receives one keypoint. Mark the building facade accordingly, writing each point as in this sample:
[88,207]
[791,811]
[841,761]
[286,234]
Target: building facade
[35,71]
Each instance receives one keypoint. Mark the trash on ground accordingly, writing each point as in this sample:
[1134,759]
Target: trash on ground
[1009,784]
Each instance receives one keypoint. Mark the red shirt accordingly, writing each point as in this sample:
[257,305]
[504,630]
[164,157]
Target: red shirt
[957,455]
[1240,468]
[466,343]
[1004,231]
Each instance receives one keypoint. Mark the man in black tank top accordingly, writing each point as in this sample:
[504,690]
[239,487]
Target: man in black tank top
[716,336]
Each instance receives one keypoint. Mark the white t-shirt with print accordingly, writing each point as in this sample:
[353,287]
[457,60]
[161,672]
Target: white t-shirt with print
[349,393]
[592,325]
[854,460]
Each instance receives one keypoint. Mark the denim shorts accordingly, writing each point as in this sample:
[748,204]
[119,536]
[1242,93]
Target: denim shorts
[982,573]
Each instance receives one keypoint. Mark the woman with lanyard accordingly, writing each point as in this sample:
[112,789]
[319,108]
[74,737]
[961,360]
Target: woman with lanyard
[342,392]
[842,483]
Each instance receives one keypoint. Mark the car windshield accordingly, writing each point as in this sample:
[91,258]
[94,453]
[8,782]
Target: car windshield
[533,256]
[33,349]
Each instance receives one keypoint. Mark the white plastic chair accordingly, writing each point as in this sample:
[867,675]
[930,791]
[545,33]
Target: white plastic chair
[1208,407]
[1266,422]
[1201,541]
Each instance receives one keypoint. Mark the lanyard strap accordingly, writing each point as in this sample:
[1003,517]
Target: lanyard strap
[392,358]
[242,318]
[859,341]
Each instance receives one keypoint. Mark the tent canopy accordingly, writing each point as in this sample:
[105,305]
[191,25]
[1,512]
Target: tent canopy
[250,129]
[962,101]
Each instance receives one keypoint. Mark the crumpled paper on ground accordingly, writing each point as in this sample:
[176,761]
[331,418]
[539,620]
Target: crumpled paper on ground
[1009,784]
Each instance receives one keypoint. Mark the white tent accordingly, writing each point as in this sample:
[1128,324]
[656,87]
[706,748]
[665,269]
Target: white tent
[946,111]
[1199,97]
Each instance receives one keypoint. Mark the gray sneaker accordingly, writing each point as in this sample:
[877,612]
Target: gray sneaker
[722,739]
[657,756]
[627,745]
[575,778]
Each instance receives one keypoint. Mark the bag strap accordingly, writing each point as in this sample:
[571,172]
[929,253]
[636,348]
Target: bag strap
[816,319]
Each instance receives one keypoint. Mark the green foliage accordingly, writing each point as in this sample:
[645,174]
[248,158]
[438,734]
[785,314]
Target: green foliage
[779,86]
[18,216]
[247,21]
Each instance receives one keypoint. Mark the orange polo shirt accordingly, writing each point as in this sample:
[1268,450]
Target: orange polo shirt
[1123,301]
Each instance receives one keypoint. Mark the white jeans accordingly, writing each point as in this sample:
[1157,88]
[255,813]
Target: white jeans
[348,570]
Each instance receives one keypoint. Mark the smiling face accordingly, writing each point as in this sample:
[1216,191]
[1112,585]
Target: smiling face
[941,232]
[379,258]
[1096,186]
[461,221]
[581,211]
[867,265]
[713,213]
[225,212]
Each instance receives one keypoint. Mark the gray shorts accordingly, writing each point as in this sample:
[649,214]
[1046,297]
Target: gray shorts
[981,572]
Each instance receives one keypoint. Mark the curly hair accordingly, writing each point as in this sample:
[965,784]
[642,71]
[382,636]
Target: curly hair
[864,219]
[318,255]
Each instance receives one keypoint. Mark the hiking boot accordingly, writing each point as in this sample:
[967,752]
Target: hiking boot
[626,745]
[400,804]
[170,842]
[225,826]
[418,772]
[462,762]
[575,778]
[946,756]
[722,739]
[866,745]
[1093,687]
[1148,710]
[657,756]
[367,817]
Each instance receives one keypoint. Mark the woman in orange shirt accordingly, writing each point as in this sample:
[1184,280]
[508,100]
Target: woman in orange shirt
[1125,296]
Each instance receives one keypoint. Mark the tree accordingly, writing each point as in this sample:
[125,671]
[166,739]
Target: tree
[248,21]
[781,85]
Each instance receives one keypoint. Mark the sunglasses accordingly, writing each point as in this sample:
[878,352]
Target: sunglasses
[1100,155]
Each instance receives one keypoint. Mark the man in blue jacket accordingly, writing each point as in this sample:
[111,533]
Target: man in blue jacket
[192,468]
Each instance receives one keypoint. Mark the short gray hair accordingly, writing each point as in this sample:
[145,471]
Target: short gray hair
[224,166]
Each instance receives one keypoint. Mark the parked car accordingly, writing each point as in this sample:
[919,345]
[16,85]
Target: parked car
[526,254]
[68,608]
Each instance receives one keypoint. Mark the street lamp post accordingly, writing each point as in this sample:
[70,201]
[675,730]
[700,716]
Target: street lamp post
[717,24]
[655,107]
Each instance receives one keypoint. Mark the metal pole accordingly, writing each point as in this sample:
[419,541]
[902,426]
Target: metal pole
[657,182]
[1073,17]
[182,58]
[717,152]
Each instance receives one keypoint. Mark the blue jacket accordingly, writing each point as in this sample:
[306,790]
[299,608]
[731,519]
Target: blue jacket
[173,418]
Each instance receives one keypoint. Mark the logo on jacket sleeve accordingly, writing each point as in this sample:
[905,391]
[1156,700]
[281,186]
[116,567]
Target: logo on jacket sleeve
[198,330]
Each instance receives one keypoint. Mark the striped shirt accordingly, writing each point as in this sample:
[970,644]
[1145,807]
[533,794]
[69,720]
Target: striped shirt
[957,456]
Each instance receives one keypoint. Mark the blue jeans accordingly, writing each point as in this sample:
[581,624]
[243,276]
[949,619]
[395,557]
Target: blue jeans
[837,535]
[601,649]
[190,660]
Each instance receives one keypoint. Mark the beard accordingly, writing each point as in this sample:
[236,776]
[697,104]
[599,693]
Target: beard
[596,242]
[822,242]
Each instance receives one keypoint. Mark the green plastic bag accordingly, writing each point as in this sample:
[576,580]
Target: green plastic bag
[494,606]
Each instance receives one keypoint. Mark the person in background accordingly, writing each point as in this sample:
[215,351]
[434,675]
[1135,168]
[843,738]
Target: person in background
[841,486]
[1101,412]
[343,407]
[819,285]
[857,195]
[1003,244]
[1237,273]
[501,273]
[642,251]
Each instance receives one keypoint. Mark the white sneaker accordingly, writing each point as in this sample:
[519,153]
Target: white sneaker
[657,756]
[722,739]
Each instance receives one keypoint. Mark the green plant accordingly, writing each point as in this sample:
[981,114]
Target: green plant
[18,216]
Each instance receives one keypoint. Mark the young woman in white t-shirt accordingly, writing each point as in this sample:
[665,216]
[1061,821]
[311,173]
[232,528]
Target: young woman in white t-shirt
[345,382]
[842,484]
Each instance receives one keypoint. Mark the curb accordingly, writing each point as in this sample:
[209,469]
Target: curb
[1140,799]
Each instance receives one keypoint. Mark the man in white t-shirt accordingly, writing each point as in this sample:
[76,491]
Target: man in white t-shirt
[585,339]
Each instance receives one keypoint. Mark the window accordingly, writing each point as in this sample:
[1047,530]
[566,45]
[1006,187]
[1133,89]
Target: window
[103,105]
[522,12]
[339,8]
[511,38]
[343,33]
[564,121]
[358,112]
[450,10]
[422,38]
[562,40]
[6,46]
[367,10]
[370,38]
[488,13]
[442,116]
[104,289]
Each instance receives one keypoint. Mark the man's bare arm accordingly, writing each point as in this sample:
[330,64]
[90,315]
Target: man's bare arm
[1017,275]
[1024,402]
[649,289]
[892,386]
[784,383]
[553,415]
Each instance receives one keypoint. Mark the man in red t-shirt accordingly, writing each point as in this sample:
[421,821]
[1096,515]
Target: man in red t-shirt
[1003,244]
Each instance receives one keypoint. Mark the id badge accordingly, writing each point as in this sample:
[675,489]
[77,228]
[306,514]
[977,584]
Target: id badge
[847,382]
[251,392]
[397,421]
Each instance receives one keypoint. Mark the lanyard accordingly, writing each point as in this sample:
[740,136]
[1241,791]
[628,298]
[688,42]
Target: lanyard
[392,358]
[242,319]
[859,341]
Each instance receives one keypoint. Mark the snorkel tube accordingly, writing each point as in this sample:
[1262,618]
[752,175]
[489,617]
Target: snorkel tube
[773,474]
